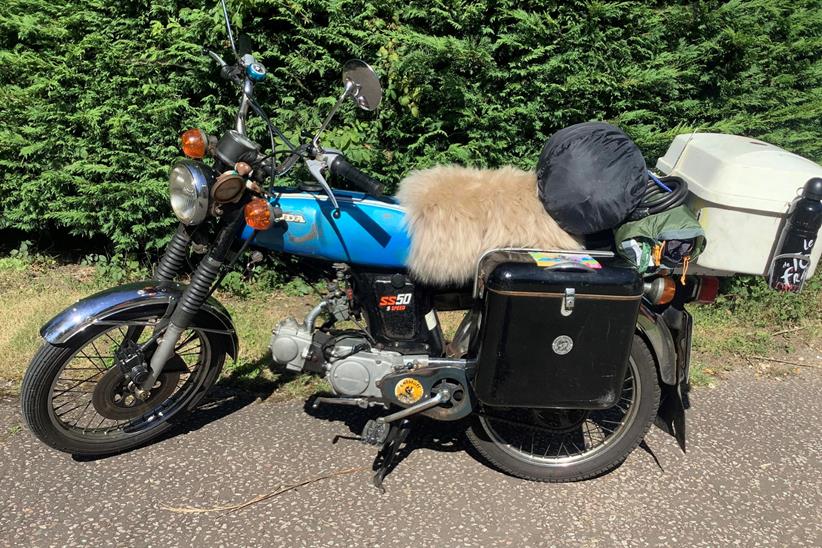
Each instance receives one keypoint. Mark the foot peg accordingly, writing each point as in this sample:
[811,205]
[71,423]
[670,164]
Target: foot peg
[359,402]
[375,433]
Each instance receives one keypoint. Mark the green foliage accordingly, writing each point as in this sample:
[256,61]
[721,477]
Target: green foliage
[95,94]
[750,299]
[18,259]
[117,269]
[749,319]
[235,284]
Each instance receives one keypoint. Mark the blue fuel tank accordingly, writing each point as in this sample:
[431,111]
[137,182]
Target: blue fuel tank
[369,232]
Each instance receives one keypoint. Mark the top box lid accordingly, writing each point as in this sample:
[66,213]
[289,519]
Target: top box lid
[737,171]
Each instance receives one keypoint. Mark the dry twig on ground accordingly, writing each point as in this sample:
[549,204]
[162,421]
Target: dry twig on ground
[260,498]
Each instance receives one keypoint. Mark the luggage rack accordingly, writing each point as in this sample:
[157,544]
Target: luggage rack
[493,257]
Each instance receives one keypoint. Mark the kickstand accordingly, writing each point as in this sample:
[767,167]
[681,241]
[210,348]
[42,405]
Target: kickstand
[384,461]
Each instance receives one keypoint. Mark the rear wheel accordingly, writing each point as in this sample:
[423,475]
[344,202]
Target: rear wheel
[75,398]
[568,445]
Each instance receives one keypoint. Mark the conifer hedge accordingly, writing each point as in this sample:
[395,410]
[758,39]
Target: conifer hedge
[95,93]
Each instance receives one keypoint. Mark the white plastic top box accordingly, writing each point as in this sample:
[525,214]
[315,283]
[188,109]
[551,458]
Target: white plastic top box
[741,189]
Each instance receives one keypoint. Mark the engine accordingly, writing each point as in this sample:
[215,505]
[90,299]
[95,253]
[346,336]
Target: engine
[350,364]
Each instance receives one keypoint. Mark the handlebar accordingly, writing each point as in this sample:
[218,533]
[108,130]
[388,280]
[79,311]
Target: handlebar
[246,72]
[342,168]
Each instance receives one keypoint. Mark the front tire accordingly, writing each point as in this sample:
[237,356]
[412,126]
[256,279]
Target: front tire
[559,446]
[72,395]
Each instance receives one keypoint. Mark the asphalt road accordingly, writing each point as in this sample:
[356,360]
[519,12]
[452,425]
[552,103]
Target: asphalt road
[752,476]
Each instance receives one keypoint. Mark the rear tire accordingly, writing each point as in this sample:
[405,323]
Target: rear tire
[505,443]
[41,393]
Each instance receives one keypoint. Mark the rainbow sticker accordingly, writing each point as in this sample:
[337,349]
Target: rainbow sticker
[553,259]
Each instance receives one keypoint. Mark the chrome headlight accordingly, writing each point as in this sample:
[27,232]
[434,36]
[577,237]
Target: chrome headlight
[188,188]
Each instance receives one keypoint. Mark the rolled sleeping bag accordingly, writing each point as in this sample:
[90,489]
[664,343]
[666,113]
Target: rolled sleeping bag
[590,177]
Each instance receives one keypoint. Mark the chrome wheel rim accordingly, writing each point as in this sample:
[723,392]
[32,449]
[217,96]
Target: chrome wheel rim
[522,436]
[72,408]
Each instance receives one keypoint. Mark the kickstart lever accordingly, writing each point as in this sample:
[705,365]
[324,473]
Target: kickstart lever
[441,396]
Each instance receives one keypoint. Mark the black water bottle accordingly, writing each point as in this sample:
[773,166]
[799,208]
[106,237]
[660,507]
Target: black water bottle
[792,260]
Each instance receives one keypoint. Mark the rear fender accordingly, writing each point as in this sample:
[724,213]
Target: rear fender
[653,329]
[672,364]
[107,305]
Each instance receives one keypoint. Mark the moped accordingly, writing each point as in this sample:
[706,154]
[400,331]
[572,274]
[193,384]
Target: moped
[563,361]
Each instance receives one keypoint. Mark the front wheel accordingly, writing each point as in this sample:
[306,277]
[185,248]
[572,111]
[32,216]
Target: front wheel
[75,398]
[568,445]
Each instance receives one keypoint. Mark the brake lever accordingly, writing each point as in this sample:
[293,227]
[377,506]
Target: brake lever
[316,167]
[227,72]
[216,56]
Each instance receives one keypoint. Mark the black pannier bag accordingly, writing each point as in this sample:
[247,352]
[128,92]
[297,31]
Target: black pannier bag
[590,177]
[557,337]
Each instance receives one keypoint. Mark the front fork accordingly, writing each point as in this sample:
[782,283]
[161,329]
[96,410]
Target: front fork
[174,257]
[192,299]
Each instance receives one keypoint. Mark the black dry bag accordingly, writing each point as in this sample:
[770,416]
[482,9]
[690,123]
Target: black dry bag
[590,176]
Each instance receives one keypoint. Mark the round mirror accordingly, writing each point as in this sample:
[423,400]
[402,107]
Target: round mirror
[244,44]
[361,84]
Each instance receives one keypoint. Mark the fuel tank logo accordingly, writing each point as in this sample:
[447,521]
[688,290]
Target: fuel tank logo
[408,390]
[293,218]
[562,345]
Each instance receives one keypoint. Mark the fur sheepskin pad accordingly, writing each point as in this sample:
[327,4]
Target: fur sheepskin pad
[455,214]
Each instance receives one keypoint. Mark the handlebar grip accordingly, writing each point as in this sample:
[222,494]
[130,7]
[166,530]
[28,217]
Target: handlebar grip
[343,169]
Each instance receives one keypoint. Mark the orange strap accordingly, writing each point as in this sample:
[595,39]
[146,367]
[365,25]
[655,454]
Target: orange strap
[685,262]
[657,253]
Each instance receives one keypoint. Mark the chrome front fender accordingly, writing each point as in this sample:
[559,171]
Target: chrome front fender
[106,306]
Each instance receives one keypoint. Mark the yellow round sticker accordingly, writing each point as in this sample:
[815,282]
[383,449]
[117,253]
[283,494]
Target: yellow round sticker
[408,390]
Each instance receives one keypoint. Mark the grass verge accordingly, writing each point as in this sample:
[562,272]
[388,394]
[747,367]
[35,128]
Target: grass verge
[747,323]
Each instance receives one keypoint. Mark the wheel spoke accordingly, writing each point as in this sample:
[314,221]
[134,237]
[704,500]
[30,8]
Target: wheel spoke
[186,341]
[79,383]
[70,410]
[86,356]
[112,339]
[99,355]
[83,412]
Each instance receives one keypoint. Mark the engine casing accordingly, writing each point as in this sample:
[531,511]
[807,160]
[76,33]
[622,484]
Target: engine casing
[351,372]
[290,343]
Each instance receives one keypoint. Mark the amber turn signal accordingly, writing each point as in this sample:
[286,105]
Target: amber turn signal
[258,214]
[194,143]
[661,290]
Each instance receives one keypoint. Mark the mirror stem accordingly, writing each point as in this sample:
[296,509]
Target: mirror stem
[349,88]
[228,28]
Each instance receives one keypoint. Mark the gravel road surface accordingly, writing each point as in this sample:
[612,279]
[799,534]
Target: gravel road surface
[752,477]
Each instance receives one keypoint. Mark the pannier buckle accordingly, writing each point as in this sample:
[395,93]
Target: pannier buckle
[568,301]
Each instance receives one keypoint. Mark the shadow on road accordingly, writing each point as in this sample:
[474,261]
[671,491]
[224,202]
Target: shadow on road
[220,402]
[446,437]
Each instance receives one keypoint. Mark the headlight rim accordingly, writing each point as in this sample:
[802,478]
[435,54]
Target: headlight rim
[201,179]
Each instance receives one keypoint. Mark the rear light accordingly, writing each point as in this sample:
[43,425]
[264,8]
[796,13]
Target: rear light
[707,289]
[661,290]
